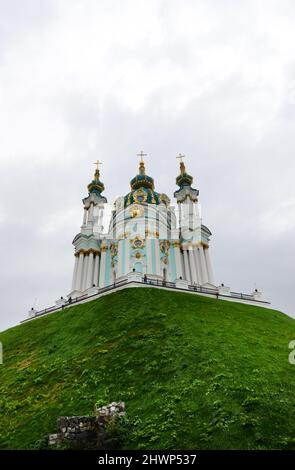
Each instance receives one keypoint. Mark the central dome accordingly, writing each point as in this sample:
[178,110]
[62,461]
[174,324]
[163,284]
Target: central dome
[142,180]
[142,187]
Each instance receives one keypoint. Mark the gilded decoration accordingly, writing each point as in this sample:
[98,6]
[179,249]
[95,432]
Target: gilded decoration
[164,246]
[176,244]
[136,211]
[114,253]
[140,196]
[151,234]
[164,198]
[138,242]
[87,252]
[114,249]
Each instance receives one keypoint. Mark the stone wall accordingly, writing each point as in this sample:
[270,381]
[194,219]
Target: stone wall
[87,432]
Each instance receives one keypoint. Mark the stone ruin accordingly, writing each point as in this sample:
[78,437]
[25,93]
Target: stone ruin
[88,432]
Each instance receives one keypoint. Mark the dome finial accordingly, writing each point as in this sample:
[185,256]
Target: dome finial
[183,179]
[182,165]
[96,186]
[141,163]
[97,172]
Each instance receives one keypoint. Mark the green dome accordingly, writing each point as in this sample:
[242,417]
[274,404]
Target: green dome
[142,181]
[142,187]
[184,179]
[96,186]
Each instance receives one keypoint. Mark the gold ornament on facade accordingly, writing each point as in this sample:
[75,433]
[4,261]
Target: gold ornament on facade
[140,196]
[138,242]
[114,249]
[176,244]
[164,198]
[164,246]
[136,211]
[87,252]
[138,255]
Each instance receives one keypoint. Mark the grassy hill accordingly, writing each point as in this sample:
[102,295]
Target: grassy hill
[195,373]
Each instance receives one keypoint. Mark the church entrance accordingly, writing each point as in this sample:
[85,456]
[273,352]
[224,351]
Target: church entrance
[165,274]
[114,276]
[138,267]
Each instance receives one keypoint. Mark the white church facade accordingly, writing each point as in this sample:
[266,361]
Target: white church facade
[146,235]
[149,242]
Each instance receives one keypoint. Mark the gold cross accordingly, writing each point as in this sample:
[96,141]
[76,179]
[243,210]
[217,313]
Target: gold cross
[180,157]
[141,155]
[97,163]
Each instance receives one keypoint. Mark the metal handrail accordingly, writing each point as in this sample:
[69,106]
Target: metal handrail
[146,281]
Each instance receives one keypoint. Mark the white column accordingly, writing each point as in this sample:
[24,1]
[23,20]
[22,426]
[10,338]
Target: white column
[120,257]
[186,266]
[75,273]
[149,256]
[209,265]
[96,270]
[89,277]
[102,267]
[192,265]
[84,274]
[203,265]
[177,255]
[127,256]
[198,266]
[79,272]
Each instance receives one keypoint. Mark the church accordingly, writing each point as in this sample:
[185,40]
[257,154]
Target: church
[146,235]
[144,240]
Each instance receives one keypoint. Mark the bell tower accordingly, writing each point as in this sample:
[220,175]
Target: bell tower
[87,243]
[194,236]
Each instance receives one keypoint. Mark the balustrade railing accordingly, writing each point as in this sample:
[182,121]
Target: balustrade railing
[147,281]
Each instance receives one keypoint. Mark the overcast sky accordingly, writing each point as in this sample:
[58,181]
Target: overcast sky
[88,79]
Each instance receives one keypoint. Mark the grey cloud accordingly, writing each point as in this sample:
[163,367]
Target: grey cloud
[22,18]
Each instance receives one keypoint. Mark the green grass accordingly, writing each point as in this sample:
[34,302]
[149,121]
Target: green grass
[195,372]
